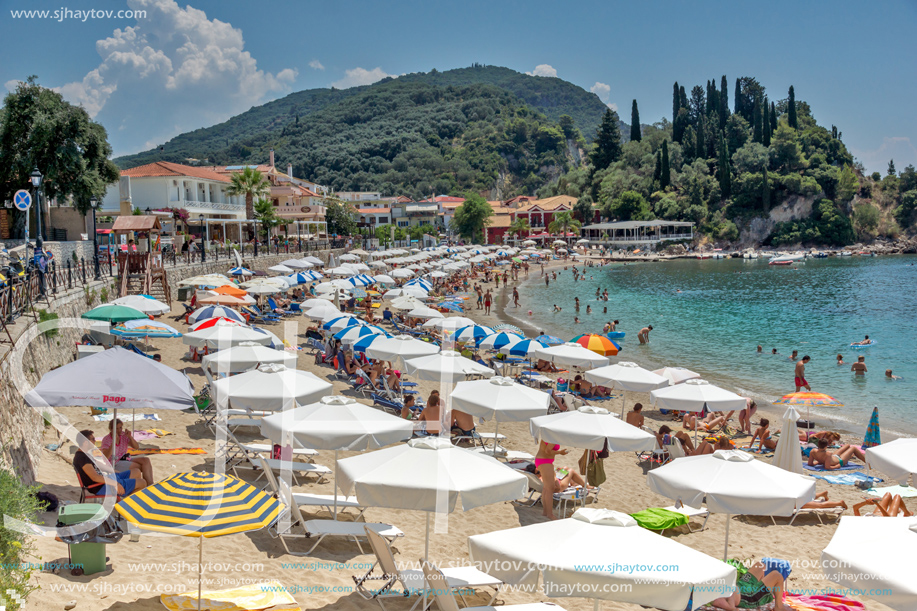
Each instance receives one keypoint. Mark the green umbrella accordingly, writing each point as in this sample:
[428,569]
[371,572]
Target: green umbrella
[112,312]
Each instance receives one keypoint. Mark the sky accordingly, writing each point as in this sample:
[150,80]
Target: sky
[180,67]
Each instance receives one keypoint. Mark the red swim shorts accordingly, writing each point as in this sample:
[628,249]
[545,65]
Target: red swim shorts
[800,382]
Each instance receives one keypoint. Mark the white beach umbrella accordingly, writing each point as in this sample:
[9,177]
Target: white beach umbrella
[788,456]
[571,355]
[245,356]
[447,365]
[411,291]
[314,261]
[265,288]
[558,551]
[732,482]
[529,243]
[676,375]
[695,395]
[425,313]
[224,335]
[378,265]
[429,474]
[897,459]
[401,273]
[626,376]
[591,428]
[384,279]
[349,257]
[320,311]
[399,348]
[438,274]
[296,264]
[281,269]
[407,302]
[270,388]
[875,556]
[449,323]
[146,305]
[501,399]
[341,271]
[207,280]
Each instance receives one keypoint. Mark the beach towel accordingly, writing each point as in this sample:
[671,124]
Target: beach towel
[159,432]
[265,595]
[822,468]
[125,417]
[826,602]
[902,491]
[848,479]
[758,450]
[144,435]
[144,451]
[656,518]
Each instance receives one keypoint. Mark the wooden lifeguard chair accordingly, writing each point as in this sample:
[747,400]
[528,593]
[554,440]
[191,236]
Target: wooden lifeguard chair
[141,272]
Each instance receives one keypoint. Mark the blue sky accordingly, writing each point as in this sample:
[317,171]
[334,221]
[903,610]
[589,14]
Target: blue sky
[187,66]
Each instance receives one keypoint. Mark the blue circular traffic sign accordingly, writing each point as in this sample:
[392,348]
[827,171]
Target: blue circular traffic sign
[22,200]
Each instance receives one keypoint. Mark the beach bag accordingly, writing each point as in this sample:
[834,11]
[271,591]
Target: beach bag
[279,452]
[595,472]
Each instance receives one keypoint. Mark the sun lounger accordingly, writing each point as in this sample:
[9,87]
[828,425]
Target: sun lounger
[504,454]
[536,486]
[237,455]
[818,513]
[322,501]
[438,584]
[691,512]
[412,580]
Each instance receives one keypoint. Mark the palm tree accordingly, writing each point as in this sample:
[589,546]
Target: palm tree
[562,221]
[520,227]
[252,184]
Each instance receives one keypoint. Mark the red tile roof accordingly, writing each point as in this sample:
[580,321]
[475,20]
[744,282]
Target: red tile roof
[166,168]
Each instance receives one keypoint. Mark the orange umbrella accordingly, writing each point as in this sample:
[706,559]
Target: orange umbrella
[597,343]
[228,289]
[228,300]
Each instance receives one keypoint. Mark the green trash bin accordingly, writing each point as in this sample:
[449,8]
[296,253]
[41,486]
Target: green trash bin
[87,558]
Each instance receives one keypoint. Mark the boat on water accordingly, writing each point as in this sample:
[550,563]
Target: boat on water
[704,255]
[819,255]
[787,259]
[751,254]
[719,255]
[845,253]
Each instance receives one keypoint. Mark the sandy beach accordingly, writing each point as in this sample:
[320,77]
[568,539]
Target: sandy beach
[136,569]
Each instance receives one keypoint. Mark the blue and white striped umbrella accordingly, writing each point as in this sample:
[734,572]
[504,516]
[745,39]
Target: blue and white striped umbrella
[420,282]
[214,311]
[498,341]
[342,322]
[351,335]
[472,333]
[304,277]
[241,271]
[361,280]
[525,347]
[364,342]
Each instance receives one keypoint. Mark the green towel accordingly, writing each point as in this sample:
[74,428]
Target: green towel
[656,518]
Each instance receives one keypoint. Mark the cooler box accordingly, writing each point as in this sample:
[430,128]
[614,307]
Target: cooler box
[90,555]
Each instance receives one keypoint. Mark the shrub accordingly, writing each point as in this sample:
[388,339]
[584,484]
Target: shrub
[17,501]
[44,316]
[866,218]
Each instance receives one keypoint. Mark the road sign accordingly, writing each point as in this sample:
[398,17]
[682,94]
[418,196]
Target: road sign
[22,199]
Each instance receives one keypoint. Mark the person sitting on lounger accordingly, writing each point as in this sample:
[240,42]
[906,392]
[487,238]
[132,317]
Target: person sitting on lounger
[93,481]
[117,452]
[580,385]
[546,366]
[834,460]
[762,585]
[429,419]
[635,416]
[665,437]
[409,409]
[346,362]
[813,437]
[888,506]
[462,424]
[824,503]
[392,376]
[764,435]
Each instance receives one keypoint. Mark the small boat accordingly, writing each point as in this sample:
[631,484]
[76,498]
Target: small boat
[750,255]
[866,253]
[819,255]
[786,260]
[719,255]
[704,255]
[845,253]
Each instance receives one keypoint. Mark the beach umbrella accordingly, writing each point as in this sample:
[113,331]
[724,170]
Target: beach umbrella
[342,322]
[361,280]
[529,242]
[873,434]
[304,277]
[732,482]
[204,281]
[501,399]
[336,423]
[144,328]
[450,323]
[349,257]
[787,455]
[472,333]
[384,279]
[298,263]
[281,269]
[209,322]
[429,474]
[597,343]
[111,313]
[591,428]
[508,327]
[402,273]
[447,366]
[227,300]
[571,355]
[695,396]
[407,303]
[570,558]
[808,400]
[420,282]
[360,252]
[320,311]
[224,335]
[314,261]
[897,459]
[876,557]
[398,349]
[499,341]
[215,312]
[229,289]
[676,375]
[270,388]
[245,356]
[114,378]
[341,271]
[202,505]
[351,335]
[314,302]
[240,271]
[526,348]
[147,305]
[626,376]
[425,313]
[549,340]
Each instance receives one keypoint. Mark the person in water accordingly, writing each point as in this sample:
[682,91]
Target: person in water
[865,342]
[859,368]
[890,375]
[801,374]
[840,359]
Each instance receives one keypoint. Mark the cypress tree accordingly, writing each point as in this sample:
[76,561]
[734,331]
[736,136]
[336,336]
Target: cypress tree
[607,142]
[773,118]
[701,139]
[682,97]
[756,113]
[664,177]
[724,171]
[676,102]
[737,106]
[711,98]
[766,125]
[724,102]
[791,110]
[657,171]
[766,193]
[635,134]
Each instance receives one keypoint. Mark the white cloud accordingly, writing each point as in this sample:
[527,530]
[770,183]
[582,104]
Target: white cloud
[316,65]
[360,76]
[899,148]
[176,68]
[543,70]
[11,85]
[603,91]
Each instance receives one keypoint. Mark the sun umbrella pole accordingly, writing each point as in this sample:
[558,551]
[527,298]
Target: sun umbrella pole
[335,484]
[726,549]
[496,435]
[623,402]
[596,605]
[200,570]
[586,477]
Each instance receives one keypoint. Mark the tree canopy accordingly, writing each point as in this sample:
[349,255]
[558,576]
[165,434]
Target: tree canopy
[472,217]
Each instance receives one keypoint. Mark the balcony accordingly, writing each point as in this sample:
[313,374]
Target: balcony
[312,212]
[218,207]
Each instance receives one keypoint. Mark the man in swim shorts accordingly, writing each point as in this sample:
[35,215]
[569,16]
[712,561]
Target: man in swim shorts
[801,374]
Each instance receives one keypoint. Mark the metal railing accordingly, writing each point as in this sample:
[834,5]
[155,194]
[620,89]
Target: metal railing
[291,247]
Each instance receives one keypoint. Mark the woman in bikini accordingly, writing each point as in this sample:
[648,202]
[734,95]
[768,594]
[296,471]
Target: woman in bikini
[544,465]
[764,435]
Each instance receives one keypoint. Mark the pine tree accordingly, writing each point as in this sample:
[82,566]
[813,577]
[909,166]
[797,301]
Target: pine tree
[737,106]
[791,110]
[725,174]
[676,102]
[891,168]
[766,193]
[664,176]
[773,118]
[635,134]
[756,113]
[607,148]
[766,125]
[724,102]
[701,139]
[657,171]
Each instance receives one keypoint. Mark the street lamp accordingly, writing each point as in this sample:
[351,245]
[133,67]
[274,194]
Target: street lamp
[94,203]
[203,240]
[36,177]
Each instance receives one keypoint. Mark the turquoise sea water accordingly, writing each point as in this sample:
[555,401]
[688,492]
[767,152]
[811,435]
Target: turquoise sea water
[727,307]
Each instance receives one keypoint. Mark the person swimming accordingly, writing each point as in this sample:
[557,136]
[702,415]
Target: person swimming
[865,342]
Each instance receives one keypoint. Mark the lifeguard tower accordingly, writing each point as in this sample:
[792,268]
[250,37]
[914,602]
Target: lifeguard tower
[140,265]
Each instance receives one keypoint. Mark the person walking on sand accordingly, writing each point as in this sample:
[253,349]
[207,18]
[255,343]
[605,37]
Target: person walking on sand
[487,299]
[480,292]
[644,335]
[515,297]
[801,374]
